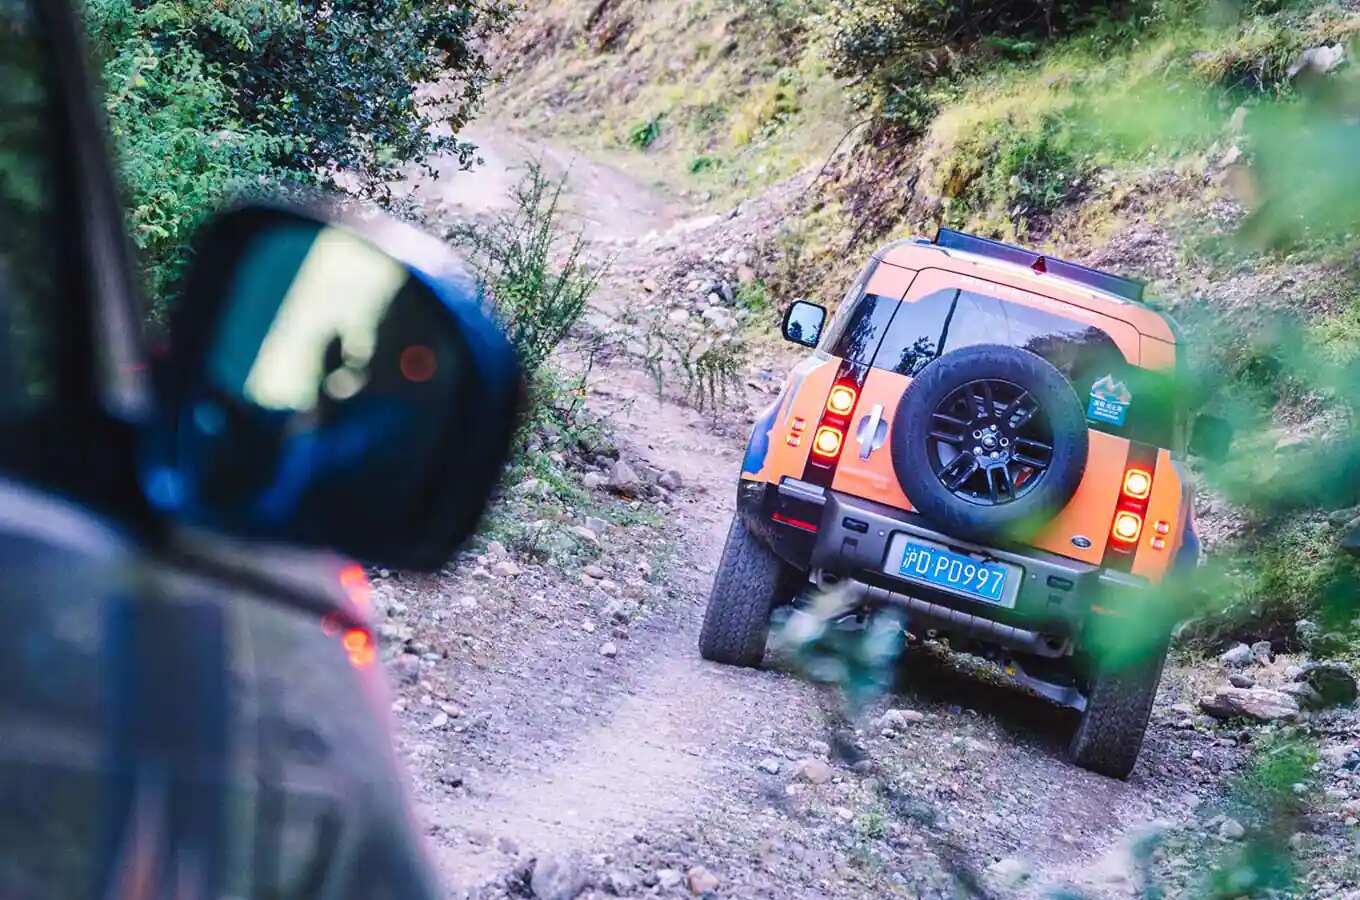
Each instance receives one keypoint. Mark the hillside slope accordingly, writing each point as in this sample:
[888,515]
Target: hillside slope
[1149,152]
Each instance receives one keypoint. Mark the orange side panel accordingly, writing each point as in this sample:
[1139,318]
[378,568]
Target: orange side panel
[1164,505]
[1091,510]
[804,398]
[1157,355]
[874,478]
[889,280]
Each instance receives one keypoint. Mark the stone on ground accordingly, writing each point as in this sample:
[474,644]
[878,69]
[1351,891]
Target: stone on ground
[1333,682]
[814,771]
[1259,704]
[557,878]
[701,881]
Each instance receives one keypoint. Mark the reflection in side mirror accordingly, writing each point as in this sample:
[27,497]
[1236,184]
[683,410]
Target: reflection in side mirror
[332,386]
[803,323]
[1211,439]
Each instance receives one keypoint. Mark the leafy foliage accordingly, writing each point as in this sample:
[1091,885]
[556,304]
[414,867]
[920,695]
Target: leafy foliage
[535,275]
[642,135]
[207,98]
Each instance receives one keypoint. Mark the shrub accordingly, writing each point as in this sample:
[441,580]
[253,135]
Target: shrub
[707,358]
[893,50]
[206,98]
[645,133]
[530,269]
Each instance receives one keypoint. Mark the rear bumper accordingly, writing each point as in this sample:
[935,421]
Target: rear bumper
[1057,596]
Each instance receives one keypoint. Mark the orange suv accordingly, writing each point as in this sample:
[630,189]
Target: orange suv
[990,441]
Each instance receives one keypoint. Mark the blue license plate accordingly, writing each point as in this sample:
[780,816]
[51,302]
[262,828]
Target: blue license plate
[983,580]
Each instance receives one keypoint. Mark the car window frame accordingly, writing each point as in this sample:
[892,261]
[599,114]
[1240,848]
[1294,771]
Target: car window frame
[84,443]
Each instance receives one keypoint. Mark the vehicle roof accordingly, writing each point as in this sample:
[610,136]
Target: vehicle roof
[921,254]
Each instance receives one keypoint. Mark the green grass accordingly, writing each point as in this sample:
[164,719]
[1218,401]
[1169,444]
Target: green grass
[645,133]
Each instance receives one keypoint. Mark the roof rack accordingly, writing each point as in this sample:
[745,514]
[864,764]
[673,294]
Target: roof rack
[1128,288]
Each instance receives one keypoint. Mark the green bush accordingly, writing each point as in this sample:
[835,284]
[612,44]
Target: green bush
[645,133]
[531,270]
[206,98]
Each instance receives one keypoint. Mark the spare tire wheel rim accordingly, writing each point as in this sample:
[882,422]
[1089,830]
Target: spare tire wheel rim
[990,443]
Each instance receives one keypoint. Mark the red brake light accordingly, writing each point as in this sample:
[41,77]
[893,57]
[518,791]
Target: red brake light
[1137,484]
[842,399]
[1128,527]
[359,648]
[827,443]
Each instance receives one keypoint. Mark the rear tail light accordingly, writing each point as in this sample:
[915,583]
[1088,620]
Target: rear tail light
[359,648]
[1128,527]
[827,444]
[1129,515]
[842,400]
[829,439]
[1137,484]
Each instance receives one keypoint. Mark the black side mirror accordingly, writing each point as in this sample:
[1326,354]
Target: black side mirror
[803,323]
[1211,438]
[331,384]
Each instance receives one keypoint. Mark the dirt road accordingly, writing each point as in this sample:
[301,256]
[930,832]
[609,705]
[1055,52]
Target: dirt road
[558,744]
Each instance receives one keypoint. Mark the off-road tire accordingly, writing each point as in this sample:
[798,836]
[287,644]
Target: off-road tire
[751,581]
[912,426]
[1118,706]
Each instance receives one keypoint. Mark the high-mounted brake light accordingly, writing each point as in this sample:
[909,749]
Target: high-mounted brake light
[1137,484]
[842,400]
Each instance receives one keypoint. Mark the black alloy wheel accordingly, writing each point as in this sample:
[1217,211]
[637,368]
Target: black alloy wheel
[990,442]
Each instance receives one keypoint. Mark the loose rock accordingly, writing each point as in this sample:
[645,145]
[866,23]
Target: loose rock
[899,718]
[668,878]
[1333,682]
[1259,704]
[557,878]
[701,881]
[623,479]
[814,771]
[609,650]
[769,764]
[1261,652]
[1232,830]
[505,569]
[1236,657]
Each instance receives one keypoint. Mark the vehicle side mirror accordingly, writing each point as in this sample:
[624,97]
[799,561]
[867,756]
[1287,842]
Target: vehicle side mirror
[803,323]
[331,384]
[1211,438]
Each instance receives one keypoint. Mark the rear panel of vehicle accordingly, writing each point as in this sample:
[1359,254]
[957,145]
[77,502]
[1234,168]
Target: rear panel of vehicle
[877,345]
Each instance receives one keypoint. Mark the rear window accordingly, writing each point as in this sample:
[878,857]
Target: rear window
[904,337]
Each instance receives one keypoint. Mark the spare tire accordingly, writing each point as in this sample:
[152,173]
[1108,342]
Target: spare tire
[989,443]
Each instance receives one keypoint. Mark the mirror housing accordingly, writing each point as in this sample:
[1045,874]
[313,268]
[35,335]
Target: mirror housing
[803,323]
[330,384]
[1211,438]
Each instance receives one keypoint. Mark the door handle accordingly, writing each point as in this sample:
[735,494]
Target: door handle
[872,431]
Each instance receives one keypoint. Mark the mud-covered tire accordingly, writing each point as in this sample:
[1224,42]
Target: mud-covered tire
[751,581]
[1118,705]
